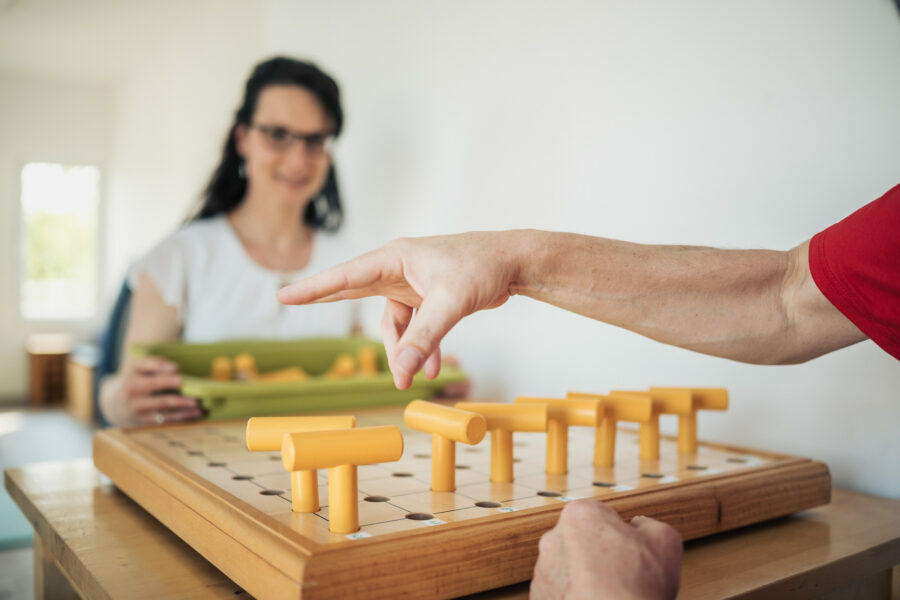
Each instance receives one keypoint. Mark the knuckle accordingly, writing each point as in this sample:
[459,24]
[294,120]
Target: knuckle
[579,510]
[545,544]
[672,540]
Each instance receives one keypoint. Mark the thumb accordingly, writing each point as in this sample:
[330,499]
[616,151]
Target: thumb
[436,316]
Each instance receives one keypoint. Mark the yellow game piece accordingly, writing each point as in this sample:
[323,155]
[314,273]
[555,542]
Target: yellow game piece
[633,409]
[561,413]
[368,361]
[648,435]
[447,426]
[266,434]
[245,367]
[286,375]
[341,451]
[221,369]
[344,366]
[700,399]
[502,421]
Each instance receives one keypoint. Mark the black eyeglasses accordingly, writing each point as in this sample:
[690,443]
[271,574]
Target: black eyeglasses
[281,138]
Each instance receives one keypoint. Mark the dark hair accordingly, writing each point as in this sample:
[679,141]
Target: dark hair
[227,186]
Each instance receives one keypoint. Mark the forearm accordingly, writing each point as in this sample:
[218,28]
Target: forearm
[726,303]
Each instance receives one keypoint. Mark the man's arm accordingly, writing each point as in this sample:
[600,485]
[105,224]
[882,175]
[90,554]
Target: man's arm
[755,306]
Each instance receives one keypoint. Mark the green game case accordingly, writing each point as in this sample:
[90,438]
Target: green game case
[239,399]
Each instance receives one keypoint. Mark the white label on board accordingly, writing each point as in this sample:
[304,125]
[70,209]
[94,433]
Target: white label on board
[359,535]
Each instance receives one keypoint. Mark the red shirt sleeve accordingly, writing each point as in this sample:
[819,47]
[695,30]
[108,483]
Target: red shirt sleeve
[856,264]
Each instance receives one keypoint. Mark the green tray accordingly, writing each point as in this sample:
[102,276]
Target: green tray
[237,399]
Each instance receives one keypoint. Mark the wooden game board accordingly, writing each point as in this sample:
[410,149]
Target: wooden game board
[233,506]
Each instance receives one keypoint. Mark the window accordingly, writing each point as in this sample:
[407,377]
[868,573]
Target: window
[60,216]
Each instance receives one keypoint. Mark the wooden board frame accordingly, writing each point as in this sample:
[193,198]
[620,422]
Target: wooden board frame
[271,560]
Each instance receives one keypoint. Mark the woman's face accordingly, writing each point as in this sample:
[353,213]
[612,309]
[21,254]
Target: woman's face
[286,146]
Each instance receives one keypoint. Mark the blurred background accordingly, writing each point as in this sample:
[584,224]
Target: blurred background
[707,122]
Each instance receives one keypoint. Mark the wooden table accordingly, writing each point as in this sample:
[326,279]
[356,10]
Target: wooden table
[92,538]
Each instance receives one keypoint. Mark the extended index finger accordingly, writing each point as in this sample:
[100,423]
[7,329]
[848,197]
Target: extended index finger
[355,278]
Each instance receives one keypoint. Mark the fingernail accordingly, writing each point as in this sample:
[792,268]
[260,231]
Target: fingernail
[409,360]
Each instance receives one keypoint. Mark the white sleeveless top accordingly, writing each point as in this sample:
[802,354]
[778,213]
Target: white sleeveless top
[221,293]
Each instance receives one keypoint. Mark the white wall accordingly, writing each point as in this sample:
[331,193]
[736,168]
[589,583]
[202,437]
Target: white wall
[727,123]
[155,131]
[40,120]
[171,114]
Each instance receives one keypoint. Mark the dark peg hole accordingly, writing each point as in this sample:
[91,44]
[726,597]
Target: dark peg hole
[376,498]
[160,435]
[517,460]
[242,477]
[652,475]
[215,464]
[271,493]
[605,483]
[520,444]
[231,438]
[472,449]
[549,493]
[421,455]
[488,504]
[737,459]
[402,474]
[195,452]
[419,516]
[463,467]
[697,467]
[274,458]
[176,444]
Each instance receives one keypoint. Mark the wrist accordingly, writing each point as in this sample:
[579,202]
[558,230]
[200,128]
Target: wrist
[525,254]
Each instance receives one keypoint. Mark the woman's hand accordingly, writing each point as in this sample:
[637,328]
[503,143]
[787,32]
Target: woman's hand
[430,284]
[149,394]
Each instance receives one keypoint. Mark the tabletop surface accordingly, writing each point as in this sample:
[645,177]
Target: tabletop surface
[110,547]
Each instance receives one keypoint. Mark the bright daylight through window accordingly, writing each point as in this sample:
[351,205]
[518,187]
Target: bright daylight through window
[59,234]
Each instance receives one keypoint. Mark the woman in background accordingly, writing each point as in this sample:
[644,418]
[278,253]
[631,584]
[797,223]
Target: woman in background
[266,209]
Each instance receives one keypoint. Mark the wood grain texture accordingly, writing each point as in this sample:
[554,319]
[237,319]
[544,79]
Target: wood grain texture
[107,546]
[111,548]
[271,559]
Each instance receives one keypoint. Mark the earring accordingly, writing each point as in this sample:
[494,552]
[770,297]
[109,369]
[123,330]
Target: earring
[320,207]
[242,170]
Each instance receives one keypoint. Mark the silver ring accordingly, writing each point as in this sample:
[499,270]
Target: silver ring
[160,417]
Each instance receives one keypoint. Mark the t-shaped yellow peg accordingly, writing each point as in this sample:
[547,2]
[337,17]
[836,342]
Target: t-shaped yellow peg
[561,413]
[341,451]
[267,433]
[502,421]
[447,425]
[648,434]
[633,409]
[689,401]
[221,369]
